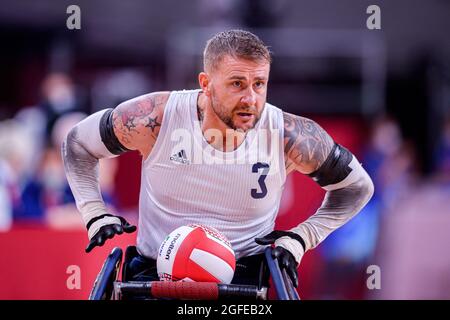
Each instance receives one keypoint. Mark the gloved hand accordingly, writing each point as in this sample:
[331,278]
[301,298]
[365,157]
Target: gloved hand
[285,257]
[105,227]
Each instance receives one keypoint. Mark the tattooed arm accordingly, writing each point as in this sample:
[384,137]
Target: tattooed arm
[310,150]
[137,122]
[306,144]
[133,125]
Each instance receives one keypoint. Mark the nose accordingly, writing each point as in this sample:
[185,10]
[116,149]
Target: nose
[249,98]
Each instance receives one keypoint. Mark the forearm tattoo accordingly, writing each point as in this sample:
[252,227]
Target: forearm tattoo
[306,144]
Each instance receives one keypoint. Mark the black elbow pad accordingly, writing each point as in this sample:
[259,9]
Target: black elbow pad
[108,136]
[335,168]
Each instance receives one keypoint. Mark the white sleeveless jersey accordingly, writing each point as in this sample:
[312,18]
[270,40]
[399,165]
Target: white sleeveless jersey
[185,180]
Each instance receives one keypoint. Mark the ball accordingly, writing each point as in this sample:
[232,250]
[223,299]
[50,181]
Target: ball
[196,253]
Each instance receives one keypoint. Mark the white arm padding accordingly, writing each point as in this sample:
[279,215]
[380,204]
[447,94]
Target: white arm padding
[81,151]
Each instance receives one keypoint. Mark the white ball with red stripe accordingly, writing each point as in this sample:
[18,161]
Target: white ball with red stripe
[196,253]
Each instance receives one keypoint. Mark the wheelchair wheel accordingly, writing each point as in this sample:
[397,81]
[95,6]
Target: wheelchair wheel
[104,283]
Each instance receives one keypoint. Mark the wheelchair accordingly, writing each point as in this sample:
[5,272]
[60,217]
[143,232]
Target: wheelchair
[107,285]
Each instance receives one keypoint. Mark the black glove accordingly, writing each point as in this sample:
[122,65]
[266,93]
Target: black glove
[285,258]
[108,231]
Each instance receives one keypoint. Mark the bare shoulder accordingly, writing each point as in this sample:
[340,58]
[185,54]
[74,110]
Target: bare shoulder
[137,121]
[306,144]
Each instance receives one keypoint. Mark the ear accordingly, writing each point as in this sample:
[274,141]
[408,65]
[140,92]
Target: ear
[203,80]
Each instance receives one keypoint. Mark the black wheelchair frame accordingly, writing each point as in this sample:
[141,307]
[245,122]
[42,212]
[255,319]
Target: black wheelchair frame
[108,287]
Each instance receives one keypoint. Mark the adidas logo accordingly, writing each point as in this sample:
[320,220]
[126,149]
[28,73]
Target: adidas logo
[180,157]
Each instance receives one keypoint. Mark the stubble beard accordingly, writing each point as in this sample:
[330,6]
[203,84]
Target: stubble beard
[227,119]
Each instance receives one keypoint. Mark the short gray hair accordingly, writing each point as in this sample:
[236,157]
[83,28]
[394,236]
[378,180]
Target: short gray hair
[236,43]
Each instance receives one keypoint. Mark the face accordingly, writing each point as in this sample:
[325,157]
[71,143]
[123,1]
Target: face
[237,90]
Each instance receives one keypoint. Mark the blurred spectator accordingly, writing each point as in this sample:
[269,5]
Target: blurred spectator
[58,98]
[390,161]
[46,186]
[15,155]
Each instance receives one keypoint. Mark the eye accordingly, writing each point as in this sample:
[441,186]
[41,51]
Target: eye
[259,84]
[237,84]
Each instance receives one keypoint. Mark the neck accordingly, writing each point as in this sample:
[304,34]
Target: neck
[215,131]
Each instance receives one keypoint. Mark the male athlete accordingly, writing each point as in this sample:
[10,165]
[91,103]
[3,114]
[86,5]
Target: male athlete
[203,162]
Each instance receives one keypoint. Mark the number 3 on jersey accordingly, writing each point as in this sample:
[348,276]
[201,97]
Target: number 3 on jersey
[261,181]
